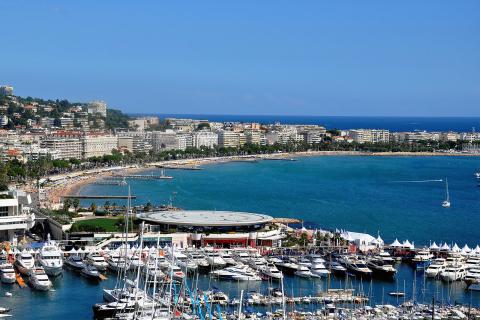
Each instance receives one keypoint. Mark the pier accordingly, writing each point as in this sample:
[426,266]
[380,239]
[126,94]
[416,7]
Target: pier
[143,177]
[97,197]
[178,167]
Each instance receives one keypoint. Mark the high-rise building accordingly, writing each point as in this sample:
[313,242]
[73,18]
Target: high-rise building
[369,135]
[98,145]
[253,136]
[167,140]
[15,214]
[67,147]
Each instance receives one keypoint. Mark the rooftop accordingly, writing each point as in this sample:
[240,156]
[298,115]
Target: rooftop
[206,218]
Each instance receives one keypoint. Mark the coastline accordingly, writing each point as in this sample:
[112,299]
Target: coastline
[72,183]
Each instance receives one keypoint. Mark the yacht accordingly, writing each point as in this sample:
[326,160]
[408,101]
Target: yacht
[199,259]
[304,262]
[257,263]
[117,263]
[242,256]
[90,272]
[150,269]
[477,175]
[472,276]
[304,272]
[96,260]
[435,268]
[287,266]
[227,256]
[237,273]
[453,272]
[214,259]
[446,202]
[184,262]
[7,273]
[134,262]
[422,259]
[270,271]
[24,262]
[356,266]
[385,257]
[50,258]
[336,267]
[316,258]
[39,279]
[381,269]
[74,262]
[319,269]
[175,272]
[473,262]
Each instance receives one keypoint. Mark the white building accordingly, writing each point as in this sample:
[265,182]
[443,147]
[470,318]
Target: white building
[3,120]
[228,139]
[95,107]
[6,90]
[167,140]
[15,214]
[67,148]
[369,135]
[98,145]
[204,139]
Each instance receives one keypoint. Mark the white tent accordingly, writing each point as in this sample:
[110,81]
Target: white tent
[445,247]
[434,246]
[407,244]
[455,248]
[396,244]
[477,249]
[466,249]
[380,240]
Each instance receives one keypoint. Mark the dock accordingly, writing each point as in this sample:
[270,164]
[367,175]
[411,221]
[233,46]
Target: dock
[144,177]
[96,197]
[178,167]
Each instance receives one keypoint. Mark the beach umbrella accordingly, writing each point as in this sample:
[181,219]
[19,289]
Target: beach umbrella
[455,248]
[396,244]
[434,246]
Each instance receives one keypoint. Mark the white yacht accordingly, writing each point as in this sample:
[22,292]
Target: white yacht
[304,262]
[477,174]
[7,273]
[96,260]
[454,272]
[24,262]
[356,265]
[435,268]
[473,262]
[336,267]
[39,279]
[50,258]
[385,257]
[90,272]
[270,271]
[446,202]
[227,256]
[214,259]
[242,256]
[319,269]
[303,272]
[237,273]
[422,259]
[175,273]
[198,258]
[117,263]
[183,261]
[134,262]
[472,276]
[151,269]
[257,263]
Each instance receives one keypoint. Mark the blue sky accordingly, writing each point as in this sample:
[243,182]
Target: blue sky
[403,58]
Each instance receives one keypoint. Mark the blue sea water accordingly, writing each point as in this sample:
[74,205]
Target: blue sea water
[459,124]
[355,193]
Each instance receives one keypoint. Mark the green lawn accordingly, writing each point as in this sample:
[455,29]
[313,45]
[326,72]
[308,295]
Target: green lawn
[97,225]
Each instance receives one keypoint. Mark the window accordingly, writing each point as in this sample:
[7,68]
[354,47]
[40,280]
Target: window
[3,211]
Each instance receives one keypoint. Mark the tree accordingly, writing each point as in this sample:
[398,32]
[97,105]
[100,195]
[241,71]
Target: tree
[76,204]
[93,207]
[106,205]
[67,203]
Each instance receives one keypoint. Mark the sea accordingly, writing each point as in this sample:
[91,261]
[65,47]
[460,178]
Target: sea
[396,124]
[394,197]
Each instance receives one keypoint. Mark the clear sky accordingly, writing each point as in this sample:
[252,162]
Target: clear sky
[248,57]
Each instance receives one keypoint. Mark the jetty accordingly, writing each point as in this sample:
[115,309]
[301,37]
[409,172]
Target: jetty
[178,167]
[143,176]
[70,196]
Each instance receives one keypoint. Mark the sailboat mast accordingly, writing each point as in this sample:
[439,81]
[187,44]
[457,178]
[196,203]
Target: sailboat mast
[446,184]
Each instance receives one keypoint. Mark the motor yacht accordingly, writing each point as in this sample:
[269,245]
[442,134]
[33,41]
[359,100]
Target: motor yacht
[90,272]
[270,271]
[237,273]
[287,266]
[199,259]
[39,279]
[435,268]
[151,269]
[74,262]
[7,273]
[227,256]
[336,267]
[175,273]
[422,259]
[473,262]
[257,263]
[472,276]
[453,272]
[117,263]
[242,256]
[214,259]
[50,258]
[304,272]
[385,257]
[319,269]
[304,262]
[381,269]
[134,262]
[184,262]
[24,262]
[97,260]
[356,266]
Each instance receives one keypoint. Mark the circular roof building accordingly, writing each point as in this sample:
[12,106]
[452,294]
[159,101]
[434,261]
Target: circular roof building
[204,220]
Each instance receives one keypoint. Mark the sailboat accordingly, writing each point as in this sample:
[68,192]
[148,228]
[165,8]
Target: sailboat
[446,203]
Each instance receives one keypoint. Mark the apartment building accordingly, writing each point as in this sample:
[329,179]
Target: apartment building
[95,107]
[15,214]
[253,136]
[369,135]
[166,140]
[98,145]
[228,139]
[204,139]
[67,148]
